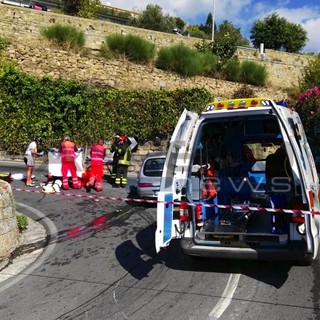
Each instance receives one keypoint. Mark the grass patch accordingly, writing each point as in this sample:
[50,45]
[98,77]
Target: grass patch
[22,222]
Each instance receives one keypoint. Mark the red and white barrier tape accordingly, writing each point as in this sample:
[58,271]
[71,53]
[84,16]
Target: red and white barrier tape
[220,206]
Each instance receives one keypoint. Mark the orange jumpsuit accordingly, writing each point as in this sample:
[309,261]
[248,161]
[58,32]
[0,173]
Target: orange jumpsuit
[97,154]
[68,155]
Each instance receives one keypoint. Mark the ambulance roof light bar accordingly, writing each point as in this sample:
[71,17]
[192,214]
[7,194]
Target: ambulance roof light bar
[235,104]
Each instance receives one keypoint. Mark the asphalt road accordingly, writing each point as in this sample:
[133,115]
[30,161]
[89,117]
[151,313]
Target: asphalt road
[100,263]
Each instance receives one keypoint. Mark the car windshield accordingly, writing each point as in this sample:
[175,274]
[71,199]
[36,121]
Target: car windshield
[154,167]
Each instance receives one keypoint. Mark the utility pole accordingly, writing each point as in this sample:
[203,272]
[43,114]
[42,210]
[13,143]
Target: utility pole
[213,18]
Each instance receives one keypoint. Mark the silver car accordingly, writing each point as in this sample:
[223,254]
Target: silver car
[149,177]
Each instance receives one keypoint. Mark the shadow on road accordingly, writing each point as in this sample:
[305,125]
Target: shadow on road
[139,261]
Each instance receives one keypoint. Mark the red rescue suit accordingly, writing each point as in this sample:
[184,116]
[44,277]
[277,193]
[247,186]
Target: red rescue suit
[68,155]
[97,154]
[209,191]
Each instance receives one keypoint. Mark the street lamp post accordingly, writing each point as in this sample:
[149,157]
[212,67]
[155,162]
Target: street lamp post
[213,18]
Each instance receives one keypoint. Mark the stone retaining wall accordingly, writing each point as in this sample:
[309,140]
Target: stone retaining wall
[8,224]
[22,26]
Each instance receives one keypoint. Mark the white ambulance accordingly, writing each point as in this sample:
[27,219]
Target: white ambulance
[240,182]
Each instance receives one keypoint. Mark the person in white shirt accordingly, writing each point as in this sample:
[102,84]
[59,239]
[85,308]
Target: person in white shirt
[29,156]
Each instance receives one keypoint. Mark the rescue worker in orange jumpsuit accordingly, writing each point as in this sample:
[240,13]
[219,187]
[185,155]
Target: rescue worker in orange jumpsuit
[97,155]
[68,152]
[123,154]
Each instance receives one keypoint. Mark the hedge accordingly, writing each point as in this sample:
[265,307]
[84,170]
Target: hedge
[52,108]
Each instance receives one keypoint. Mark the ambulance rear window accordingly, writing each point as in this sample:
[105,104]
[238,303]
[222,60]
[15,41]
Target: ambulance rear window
[262,126]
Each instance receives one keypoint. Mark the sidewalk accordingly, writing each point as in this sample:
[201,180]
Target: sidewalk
[32,241]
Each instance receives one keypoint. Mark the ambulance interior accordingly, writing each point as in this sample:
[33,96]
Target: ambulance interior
[242,162]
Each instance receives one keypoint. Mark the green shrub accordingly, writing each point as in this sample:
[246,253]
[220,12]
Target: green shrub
[185,61]
[310,74]
[307,104]
[207,62]
[232,70]
[105,52]
[139,50]
[22,222]
[166,59]
[253,73]
[225,48]
[71,108]
[133,47]
[116,43]
[64,36]
[4,43]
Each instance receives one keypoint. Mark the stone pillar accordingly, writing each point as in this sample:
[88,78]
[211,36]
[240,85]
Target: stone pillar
[9,231]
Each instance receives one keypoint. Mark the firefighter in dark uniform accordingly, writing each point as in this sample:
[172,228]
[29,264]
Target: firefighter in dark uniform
[115,159]
[123,156]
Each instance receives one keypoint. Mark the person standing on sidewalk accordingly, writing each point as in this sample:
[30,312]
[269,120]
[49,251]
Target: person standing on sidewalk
[29,157]
[68,152]
[97,155]
[123,153]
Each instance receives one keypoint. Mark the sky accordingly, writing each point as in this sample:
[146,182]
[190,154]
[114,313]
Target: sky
[242,13]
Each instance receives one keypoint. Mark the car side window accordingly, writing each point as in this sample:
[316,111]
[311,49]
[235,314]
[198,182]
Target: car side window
[154,167]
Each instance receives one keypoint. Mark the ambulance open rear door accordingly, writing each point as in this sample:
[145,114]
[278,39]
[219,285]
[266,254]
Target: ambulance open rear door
[174,178]
[308,174]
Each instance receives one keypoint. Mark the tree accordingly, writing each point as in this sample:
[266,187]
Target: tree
[81,8]
[226,27]
[180,24]
[278,34]
[310,74]
[225,48]
[71,7]
[153,18]
[89,9]
[196,32]
[295,36]
[207,27]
